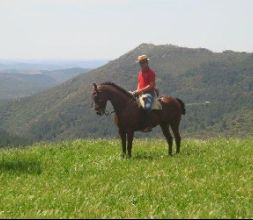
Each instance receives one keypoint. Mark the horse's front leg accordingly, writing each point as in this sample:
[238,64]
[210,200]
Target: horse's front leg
[130,136]
[123,142]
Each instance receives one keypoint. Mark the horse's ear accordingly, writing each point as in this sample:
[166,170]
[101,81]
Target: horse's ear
[95,87]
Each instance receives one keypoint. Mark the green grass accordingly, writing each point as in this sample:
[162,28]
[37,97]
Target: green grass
[88,179]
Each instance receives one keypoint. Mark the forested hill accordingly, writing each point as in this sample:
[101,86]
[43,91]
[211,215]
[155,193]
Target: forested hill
[225,80]
[15,84]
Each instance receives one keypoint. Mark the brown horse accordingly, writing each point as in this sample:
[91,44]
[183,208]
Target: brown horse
[128,114]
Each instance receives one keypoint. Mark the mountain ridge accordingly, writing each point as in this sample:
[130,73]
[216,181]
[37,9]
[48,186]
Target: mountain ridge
[15,84]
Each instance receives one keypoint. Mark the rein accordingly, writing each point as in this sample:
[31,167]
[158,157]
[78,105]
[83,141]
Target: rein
[107,113]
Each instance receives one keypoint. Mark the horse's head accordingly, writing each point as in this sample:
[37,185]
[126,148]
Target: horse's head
[100,99]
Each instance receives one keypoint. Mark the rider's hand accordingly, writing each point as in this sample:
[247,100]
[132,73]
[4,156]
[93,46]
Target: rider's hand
[135,93]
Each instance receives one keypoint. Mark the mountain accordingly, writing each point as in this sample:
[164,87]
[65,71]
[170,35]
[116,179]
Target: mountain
[14,84]
[217,89]
[19,85]
[7,140]
[62,75]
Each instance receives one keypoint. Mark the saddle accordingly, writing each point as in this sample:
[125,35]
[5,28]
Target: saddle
[156,103]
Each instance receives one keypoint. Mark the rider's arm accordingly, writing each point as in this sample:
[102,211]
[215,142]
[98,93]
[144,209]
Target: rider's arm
[138,82]
[147,88]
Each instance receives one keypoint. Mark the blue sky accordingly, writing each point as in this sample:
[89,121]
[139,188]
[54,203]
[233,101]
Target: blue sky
[98,29]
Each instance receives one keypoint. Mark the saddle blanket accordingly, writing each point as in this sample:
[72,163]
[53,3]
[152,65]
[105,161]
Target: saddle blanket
[155,106]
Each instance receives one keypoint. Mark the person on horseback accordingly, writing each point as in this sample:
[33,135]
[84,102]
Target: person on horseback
[146,85]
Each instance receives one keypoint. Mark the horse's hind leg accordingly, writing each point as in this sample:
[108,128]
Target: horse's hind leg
[175,129]
[130,136]
[167,134]
[123,142]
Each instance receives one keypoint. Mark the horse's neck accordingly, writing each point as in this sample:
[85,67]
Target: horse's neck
[118,99]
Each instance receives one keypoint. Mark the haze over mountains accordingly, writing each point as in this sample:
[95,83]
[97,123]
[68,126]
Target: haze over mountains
[51,64]
[196,76]
[20,79]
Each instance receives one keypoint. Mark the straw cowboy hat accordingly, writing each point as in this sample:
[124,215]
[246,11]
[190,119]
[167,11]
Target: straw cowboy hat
[142,58]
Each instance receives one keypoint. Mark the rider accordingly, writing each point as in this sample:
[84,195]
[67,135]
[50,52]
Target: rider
[146,85]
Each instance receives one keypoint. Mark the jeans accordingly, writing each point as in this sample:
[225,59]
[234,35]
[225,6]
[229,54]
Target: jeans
[148,102]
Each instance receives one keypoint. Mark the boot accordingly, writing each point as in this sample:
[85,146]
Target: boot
[146,121]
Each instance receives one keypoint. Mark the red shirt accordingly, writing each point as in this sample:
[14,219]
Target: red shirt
[145,78]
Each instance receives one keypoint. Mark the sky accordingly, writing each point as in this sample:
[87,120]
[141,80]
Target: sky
[106,29]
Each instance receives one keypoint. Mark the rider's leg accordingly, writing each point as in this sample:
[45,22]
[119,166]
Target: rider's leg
[148,108]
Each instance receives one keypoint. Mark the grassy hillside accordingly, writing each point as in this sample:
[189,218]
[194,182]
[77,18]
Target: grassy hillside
[194,75]
[87,179]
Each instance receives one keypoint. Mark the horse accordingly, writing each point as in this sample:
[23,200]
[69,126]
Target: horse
[128,115]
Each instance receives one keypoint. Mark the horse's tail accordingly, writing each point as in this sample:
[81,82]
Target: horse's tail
[182,105]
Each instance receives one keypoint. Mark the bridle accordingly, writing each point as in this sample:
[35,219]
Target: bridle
[104,111]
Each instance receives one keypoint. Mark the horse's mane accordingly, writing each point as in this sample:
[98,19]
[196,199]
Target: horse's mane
[119,88]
